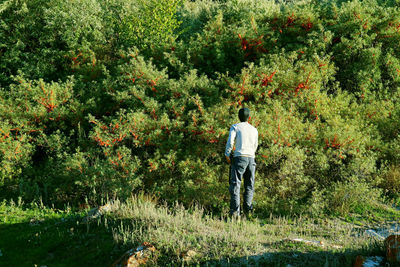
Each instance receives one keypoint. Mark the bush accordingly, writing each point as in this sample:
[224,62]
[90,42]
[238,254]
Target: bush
[100,101]
[351,196]
[48,39]
[390,182]
[150,23]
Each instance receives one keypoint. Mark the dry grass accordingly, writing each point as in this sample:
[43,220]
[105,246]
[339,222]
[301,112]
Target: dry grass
[218,241]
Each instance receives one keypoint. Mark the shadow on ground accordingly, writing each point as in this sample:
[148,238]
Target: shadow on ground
[286,255]
[57,242]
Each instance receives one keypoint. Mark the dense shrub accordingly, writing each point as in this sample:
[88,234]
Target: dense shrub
[106,98]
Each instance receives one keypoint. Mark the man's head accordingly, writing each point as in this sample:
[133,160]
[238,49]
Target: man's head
[244,114]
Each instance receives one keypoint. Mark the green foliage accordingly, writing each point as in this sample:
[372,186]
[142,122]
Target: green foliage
[37,37]
[107,98]
[153,22]
[352,196]
[390,182]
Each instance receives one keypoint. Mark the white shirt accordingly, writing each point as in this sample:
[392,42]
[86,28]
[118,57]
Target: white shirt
[246,140]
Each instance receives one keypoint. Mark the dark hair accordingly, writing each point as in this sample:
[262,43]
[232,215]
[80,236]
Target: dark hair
[244,114]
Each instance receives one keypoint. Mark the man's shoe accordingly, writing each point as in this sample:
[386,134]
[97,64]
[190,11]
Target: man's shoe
[248,215]
[235,217]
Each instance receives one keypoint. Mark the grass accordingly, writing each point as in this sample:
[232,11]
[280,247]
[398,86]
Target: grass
[34,234]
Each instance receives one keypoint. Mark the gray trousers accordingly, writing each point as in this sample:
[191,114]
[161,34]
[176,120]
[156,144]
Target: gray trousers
[242,168]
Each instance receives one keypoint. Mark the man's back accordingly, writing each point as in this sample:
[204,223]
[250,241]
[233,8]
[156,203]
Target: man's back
[246,137]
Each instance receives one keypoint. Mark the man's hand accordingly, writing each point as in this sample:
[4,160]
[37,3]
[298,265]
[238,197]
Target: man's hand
[228,159]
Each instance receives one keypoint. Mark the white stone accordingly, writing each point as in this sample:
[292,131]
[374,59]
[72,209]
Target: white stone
[373,261]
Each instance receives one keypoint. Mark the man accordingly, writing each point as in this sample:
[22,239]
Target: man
[243,167]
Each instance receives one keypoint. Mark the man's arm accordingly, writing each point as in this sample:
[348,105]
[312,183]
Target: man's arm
[256,142]
[229,144]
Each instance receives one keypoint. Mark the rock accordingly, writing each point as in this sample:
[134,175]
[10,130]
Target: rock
[312,242]
[336,246]
[136,257]
[375,234]
[384,232]
[392,244]
[373,261]
[35,221]
[98,212]
[106,208]
[308,242]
